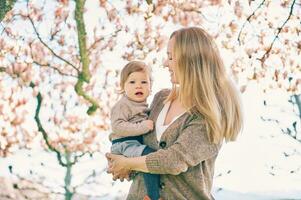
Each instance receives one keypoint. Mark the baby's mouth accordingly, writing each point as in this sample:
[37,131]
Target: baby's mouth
[139,93]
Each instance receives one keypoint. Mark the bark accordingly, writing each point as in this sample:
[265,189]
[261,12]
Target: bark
[5,7]
[84,75]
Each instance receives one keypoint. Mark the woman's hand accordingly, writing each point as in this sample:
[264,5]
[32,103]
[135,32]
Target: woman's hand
[118,166]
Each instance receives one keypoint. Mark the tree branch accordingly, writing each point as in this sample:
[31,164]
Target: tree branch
[76,157]
[84,75]
[298,103]
[55,54]
[42,130]
[264,57]
[79,90]
[48,65]
[54,68]
[287,131]
[5,7]
[81,34]
[94,44]
[249,20]
[197,11]
[34,185]
[91,176]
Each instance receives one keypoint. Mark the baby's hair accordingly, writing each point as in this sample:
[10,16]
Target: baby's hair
[133,66]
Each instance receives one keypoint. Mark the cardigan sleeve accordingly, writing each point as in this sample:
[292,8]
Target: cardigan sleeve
[191,148]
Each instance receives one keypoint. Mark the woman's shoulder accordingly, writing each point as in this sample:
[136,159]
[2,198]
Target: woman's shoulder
[194,119]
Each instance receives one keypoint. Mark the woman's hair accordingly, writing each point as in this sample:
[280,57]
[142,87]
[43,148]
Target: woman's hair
[204,87]
[133,66]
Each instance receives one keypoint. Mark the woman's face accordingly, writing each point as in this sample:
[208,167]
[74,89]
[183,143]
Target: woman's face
[170,62]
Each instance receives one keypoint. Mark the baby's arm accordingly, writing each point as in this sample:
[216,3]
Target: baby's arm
[123,128]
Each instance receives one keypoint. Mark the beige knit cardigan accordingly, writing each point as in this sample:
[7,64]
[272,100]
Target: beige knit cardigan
[184,158]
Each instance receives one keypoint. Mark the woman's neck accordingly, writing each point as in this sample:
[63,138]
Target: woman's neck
[175,109]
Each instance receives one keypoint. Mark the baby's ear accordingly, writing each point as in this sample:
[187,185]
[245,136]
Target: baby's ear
[119,91]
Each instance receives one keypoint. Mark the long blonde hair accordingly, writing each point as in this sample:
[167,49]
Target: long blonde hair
[203,84]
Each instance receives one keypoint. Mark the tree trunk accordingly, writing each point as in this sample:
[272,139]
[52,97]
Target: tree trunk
[68,177]
[5,7]
[298,103]
[84,75]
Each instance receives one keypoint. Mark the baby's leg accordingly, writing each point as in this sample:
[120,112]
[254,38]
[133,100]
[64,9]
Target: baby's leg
[132,148]
[128,146]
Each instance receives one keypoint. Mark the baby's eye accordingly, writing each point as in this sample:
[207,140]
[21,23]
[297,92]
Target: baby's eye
[170,58]
[132,82]
[144,82]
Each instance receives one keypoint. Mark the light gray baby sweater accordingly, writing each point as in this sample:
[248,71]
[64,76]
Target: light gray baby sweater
[127,118]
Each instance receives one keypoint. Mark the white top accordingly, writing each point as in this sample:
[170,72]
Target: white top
[160,127]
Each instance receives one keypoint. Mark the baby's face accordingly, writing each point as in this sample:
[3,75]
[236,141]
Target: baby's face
[137,86]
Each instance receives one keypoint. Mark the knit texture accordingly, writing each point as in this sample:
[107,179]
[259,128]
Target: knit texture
[185,158]
[128,118]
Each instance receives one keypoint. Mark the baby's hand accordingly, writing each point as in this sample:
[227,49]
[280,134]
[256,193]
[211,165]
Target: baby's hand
[149,124]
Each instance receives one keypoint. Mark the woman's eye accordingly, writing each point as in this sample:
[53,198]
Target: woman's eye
[169,58]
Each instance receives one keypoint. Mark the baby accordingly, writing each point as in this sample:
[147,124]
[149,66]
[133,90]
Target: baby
[129,119]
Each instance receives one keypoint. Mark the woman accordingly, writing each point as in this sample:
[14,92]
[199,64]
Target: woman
[192,120]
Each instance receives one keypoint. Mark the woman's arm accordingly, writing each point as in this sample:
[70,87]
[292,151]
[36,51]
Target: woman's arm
[190,149]
[119,162]
[120,166]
